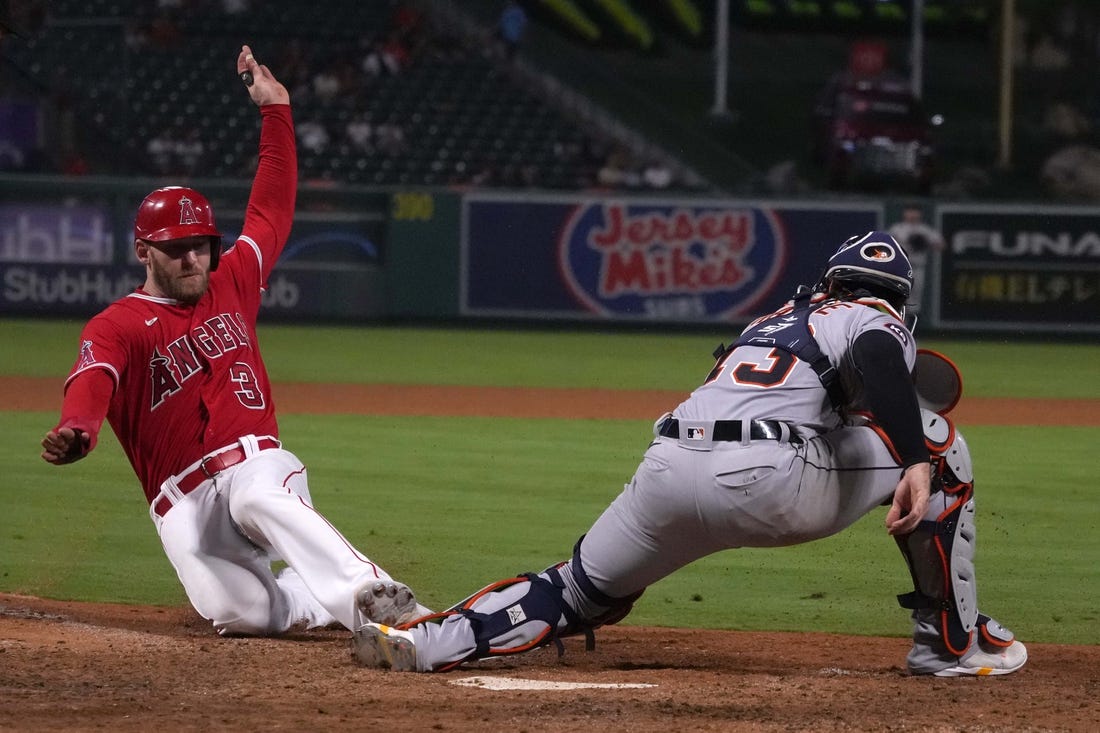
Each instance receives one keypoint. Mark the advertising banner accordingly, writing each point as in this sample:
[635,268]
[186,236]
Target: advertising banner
[334,238]
[327,292]
[1034,269]
[59,234]
[627,259]
[59,260]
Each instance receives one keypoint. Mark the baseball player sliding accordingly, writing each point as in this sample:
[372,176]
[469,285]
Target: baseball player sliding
[175,368]
[806,423]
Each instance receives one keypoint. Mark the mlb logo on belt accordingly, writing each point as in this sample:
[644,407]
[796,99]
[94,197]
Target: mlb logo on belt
[696,434]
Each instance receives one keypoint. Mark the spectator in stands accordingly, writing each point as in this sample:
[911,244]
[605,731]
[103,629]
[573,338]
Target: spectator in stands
[136,34]
[511,26]
[407,20]
[164,33]
[616,169]
[160,151]
[312,136]
[235,7]
[75,164]
[11,156]
[189,152]
[920,240]
[326,85]
[389,56]
[1048,55]
[296,73]
[410,26]
[389,138]
[656,175]
[359,133]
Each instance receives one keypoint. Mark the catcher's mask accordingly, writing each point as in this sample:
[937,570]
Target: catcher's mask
[177,212]
[873,262]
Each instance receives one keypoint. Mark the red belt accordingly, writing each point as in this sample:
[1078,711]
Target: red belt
[209,467]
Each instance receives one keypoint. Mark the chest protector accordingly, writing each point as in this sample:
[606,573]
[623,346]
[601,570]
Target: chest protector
[791,332]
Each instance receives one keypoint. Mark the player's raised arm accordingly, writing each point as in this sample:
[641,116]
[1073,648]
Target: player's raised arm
[269,215]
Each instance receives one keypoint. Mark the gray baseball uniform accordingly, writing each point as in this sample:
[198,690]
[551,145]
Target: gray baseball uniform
[776,447]
[693,495]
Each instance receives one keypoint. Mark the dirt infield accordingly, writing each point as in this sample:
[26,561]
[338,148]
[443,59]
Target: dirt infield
[35,393]
[66,666]
[77,666]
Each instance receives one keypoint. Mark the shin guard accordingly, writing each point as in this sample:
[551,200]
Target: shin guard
[940,551]
[532,610]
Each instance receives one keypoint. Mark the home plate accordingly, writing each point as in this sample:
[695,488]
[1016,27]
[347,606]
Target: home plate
[513,683]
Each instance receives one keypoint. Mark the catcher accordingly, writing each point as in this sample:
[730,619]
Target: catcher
[805,424]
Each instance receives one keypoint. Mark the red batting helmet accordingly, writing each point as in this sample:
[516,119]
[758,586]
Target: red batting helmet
[177,212]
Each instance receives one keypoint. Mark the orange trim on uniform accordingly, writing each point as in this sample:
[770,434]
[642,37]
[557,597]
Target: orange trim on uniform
[945,566]
[939,448]
[885,441]
[958,377]
[469,602]
[996,642]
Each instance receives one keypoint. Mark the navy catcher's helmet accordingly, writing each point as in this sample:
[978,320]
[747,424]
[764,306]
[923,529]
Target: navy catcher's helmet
[874,262]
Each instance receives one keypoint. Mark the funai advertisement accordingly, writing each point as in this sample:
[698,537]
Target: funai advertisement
[1015,268]
[626,259]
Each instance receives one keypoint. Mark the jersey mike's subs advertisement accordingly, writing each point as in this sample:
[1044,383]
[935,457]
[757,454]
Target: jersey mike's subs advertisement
[636,260]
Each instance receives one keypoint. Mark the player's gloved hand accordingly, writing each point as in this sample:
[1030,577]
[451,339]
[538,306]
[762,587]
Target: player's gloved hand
[264,87]
[910,499]
[65,445]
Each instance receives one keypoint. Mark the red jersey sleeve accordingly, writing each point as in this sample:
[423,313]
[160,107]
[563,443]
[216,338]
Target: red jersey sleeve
[270,210]
[87,397]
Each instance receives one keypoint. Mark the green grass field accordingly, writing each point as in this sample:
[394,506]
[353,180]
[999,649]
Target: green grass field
[450,504]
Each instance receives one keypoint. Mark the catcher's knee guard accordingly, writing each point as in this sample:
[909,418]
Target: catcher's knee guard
[940,551]
[532,610]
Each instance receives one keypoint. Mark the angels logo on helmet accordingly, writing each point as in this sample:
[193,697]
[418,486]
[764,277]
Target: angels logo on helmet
[187,212]
[178,212]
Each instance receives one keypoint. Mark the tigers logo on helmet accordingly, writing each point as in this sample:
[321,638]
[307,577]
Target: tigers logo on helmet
[874,257]
[877,251]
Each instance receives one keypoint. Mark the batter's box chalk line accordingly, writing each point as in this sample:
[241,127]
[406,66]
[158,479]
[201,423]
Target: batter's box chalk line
[517,683]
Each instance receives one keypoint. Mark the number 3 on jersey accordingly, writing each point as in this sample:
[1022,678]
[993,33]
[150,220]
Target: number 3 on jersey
[247,386]
[771,371]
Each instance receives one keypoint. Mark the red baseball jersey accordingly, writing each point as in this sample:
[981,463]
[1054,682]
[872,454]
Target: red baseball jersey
[190,379]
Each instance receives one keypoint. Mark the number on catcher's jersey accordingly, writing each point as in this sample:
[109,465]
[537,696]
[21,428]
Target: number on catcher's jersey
[770,371]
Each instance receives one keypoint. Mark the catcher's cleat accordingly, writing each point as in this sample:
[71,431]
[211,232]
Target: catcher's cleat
[387,602]
[383,647]
[984,660]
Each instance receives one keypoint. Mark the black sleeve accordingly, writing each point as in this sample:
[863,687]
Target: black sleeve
[891,397]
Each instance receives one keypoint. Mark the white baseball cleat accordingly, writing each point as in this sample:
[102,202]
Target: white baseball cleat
[387,602]
[384,647]
[984,661]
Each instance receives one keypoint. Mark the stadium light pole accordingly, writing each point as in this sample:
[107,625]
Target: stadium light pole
[721,58]
[916,49]
[1008,31]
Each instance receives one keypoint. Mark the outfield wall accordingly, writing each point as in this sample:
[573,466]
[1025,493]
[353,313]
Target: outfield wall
[360,255]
